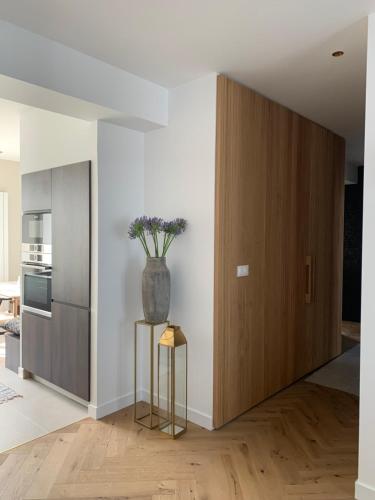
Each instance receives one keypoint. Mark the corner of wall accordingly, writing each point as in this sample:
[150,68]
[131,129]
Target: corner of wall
[180,182]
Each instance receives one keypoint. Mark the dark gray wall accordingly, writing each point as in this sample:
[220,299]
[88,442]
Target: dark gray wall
[353,250]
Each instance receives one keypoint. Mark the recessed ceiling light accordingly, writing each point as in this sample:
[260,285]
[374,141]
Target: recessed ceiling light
[338,53]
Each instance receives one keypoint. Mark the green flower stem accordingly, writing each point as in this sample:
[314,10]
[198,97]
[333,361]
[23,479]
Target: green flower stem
[164,241]
[144,247]
[167,243]
[142,239]
[156,243]
[170,238]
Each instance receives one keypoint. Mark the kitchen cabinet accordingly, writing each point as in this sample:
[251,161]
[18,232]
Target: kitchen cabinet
[70,349]
[36,191]
[36,344]
[58,348]
[71,234]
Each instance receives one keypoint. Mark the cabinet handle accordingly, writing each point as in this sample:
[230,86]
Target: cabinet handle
[308,290]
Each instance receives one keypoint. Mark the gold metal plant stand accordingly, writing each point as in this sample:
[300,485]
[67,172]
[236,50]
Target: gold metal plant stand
[145,413]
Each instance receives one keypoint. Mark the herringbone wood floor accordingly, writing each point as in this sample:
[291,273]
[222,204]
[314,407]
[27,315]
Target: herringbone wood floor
[301,444]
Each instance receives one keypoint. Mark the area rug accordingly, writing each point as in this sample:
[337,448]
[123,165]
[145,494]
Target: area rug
[342,373]
[6,394]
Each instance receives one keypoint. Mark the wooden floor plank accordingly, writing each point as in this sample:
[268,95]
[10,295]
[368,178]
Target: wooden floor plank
[301,444]
[46,476]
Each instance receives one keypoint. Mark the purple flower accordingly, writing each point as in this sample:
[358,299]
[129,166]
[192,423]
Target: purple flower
[153,225]
[175,227]
[137,227]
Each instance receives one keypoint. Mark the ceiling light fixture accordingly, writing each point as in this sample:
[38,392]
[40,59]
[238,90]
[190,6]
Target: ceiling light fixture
[338,53]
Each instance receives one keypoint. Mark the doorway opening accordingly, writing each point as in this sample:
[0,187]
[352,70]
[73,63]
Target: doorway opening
[30,408]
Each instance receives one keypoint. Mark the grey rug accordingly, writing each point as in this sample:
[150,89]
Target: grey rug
[342,373]
[6,394]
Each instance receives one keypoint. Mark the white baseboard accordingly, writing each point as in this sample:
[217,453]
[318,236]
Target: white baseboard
[364,491]
[100,411]
[194,416]
[199,418]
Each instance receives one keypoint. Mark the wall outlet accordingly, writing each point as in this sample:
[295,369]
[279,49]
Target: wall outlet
[242,271]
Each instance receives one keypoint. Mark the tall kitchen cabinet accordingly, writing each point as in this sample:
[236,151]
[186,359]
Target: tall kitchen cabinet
[58,348]
[71,278]
[279,210]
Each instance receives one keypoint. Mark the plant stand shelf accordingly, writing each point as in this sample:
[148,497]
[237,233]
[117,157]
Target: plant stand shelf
[145,412]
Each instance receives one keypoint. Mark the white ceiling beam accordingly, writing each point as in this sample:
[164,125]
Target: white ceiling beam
[116,95]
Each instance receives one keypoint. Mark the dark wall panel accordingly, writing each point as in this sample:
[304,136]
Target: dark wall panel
[353,250]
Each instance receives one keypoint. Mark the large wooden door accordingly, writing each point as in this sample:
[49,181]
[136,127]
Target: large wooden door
[280,247]
[279,192]
[322,162]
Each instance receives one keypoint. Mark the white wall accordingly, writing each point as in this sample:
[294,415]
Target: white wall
[180,182]
[10,182]
[49,140]
[365,488]
[168,172]
[120,264]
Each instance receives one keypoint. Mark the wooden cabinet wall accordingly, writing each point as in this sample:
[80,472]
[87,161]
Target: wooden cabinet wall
[71,234]
[71,349]
[279,208]
[58,348]
[36,344]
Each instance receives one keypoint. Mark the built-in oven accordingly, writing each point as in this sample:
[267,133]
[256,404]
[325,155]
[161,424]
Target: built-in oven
[36,289]
[37,238]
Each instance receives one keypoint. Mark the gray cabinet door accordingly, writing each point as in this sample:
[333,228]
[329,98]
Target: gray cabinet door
[71,234]
[36,345]
[36,191]
[71,349]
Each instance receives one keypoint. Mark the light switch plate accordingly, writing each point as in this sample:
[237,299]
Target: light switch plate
[242,271]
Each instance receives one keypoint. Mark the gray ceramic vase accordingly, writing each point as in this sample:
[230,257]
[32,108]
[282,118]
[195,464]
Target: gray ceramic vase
[156,290]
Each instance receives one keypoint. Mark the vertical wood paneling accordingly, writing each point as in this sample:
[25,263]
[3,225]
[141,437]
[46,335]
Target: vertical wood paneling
[240,228]
[279,192]
[338,196]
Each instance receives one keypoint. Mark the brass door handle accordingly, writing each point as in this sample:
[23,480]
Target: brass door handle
[308,289]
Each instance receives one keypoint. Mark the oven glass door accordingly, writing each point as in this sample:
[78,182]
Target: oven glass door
[37,292]
[36,228]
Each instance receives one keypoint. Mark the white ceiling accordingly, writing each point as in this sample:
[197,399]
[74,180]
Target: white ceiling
[281,48]
[10,129]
